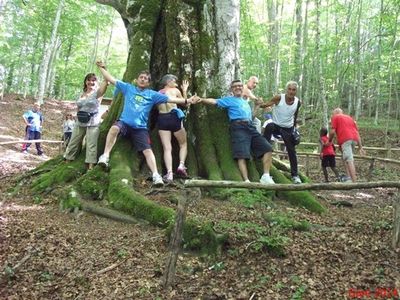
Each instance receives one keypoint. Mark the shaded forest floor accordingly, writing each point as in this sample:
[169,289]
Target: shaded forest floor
[345,253]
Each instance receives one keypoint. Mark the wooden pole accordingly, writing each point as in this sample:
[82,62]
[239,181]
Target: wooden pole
[292,187]
[176,241]
[397,162]
[307,166]
[370,170]
[396,221]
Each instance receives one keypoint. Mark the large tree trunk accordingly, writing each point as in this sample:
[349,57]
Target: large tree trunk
[196,40]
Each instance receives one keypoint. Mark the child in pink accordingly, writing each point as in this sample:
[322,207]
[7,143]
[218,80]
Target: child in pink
[327,154]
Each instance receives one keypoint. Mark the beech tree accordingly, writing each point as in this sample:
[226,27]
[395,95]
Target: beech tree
[198,41]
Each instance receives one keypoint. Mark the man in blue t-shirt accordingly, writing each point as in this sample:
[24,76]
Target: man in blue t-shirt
[33,131]
[138,102]
[244,136]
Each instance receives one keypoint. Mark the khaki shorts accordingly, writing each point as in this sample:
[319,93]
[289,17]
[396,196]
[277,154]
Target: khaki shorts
[348,150]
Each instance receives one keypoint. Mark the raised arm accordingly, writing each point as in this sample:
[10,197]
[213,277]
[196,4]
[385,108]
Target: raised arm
[108,77]
[185,86]
[102,89]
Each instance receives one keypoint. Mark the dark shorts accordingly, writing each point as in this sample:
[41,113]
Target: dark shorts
[328,161]
[138,136]
[169,122]
[246,140]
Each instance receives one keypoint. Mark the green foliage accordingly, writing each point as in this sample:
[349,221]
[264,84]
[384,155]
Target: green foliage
[245,197]
[275,244]
[286,221]
[25,31]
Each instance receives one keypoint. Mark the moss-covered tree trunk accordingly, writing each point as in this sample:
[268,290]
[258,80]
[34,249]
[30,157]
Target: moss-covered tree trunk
[197,40]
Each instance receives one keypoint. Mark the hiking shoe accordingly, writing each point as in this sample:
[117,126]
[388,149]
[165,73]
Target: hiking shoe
[182,171]
[169,177]
[157,180]
[266,179]
[25,151]
[103,160]
[296,179]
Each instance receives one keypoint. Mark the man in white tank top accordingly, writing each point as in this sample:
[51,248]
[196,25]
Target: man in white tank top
[284,115]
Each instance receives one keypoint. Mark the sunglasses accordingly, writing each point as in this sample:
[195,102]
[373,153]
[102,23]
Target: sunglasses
[236,86]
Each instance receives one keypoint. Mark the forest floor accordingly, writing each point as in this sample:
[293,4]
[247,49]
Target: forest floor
[58,255]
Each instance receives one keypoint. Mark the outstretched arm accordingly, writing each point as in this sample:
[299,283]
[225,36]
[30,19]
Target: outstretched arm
[185,86]
[106,75]
[210,101]
[274,100]
[192,100]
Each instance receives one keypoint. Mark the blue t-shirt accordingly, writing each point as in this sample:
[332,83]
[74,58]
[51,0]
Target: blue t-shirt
[138,104]
[35,118]
[238,108]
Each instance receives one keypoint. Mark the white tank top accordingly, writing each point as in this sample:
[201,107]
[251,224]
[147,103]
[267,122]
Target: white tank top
[283,114]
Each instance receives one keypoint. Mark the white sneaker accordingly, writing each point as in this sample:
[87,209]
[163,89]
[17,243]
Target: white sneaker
[296,180]
[157,180]
[266,179]
[247,181]
[103,160]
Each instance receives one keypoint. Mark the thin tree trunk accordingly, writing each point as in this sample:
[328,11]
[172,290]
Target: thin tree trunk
[379,61]
[109,40]
[47,53]
[358,64]
[51,69]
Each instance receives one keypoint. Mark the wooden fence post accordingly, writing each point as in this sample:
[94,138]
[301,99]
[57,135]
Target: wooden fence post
[307,166]
[176,241]
[371,169]
[396,221]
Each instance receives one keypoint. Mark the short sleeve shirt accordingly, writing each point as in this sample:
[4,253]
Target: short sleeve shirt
[238,108]
[327,150]
[138,104]
[345,127]
[35,118]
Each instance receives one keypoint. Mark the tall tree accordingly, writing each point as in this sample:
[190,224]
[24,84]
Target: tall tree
[47,53]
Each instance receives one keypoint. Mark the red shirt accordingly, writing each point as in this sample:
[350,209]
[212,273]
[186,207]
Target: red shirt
[345,127]
[328,149]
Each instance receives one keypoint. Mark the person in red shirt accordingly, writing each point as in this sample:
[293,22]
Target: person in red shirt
[327,154]
[347,136]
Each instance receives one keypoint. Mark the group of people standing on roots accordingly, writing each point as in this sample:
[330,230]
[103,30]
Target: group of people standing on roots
[246,138]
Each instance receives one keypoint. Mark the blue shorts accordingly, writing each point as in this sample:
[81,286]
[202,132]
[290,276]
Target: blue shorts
[246,140]
[169,122]
[138,136]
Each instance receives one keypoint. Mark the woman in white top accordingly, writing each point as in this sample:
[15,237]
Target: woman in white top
[88,104]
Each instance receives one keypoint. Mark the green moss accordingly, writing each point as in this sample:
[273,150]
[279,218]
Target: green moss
[62,174]
[245,197]
[94,184]
[301,199]
[70,201]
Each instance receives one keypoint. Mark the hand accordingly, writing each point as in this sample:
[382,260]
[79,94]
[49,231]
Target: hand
[194,99]
[259,101]
[185,86]
[100,64]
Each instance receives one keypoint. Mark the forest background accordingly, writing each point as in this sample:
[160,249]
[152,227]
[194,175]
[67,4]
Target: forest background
[342,53]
